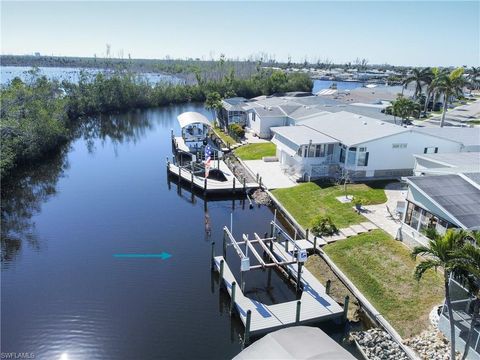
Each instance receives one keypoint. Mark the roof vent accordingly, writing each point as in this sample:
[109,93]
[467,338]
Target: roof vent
[364,123]
[269,108]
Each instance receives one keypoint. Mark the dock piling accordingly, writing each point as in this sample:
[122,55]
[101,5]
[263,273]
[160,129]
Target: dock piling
[224,245]
[327,286]
[260,183]
[246,338]
[299,276]
[345,307]
[213,254]
[314,244]
[205,187]
[306,233]
[232,304]
[244,186]
[222,264]
[297,315]
[233,189]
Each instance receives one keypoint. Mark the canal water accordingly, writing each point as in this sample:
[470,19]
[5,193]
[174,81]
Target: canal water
[64,294]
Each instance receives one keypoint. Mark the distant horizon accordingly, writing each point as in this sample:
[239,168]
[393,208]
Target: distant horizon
[414,34]
[265,62]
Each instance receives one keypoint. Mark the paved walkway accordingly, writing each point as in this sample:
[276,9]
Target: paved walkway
[271,173]
[379,215]
[253,139]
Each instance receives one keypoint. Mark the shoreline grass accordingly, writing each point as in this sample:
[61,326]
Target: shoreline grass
[382,269]
[307,200]
[256,151]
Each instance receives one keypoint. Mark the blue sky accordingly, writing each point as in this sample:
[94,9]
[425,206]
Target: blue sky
[400,33]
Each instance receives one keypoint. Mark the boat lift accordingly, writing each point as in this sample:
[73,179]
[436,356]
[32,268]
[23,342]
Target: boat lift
[269,259]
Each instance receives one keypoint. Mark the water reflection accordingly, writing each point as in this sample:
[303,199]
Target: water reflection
[119,129]
[29,187]
[22,197]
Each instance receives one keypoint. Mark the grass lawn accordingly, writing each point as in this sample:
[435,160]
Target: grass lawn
[255,151]
[382,269]
[227,139]
[307,200]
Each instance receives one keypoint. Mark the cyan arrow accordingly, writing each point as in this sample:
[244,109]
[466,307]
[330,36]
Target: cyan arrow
[162,256]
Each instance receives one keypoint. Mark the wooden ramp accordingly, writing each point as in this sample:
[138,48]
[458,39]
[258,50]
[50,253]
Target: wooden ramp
[315,304]
[231,185]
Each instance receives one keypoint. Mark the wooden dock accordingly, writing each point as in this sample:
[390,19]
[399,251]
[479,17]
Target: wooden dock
[206,185]
[314,304]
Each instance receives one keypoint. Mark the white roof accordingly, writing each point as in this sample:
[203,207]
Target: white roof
[302,135]
[298,342]
[352,129]
[191,117]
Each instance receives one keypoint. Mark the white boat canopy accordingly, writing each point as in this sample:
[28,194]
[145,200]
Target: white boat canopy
[191,117]
[296,343]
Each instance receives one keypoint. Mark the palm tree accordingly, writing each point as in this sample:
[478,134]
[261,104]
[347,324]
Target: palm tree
[436,73]
[442,253]
[420,77]
[474,77]
[449,85]
[404,108]
[213,102]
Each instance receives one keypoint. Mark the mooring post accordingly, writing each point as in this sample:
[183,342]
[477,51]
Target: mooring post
[271,230]
[297,315]
[213,255]
[224,244]
[192,179]
[345,307]
[244,186]
[257,177]
[168,164]
[306,233]
[247,327]
[314,244]
[179,172]
[222,264]
[327,286]
[205,187]
[260,182]
[233,190]
[299,275]
[232,304]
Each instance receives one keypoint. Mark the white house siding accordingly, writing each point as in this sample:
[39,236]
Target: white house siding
[384,159]
[261,126]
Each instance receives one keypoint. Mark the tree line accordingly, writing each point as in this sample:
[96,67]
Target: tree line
[38,115]
[432,85]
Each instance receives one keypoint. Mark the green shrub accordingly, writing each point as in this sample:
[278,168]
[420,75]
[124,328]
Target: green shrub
[237,130]
[323,226]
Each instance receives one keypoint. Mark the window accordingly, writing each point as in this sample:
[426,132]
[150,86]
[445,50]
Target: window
[320,150]
[430,150]
[311,150]
[342,154]
[330,149]
[362,156]
[300,151]
[399,146]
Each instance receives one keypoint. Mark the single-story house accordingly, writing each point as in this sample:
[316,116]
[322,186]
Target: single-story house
[262,113]
[451,200]
[232,112]
[344,144]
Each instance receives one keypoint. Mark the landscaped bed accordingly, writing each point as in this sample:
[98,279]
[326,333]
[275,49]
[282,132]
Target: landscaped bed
[255,151]
[382,269]
[307,200]
[227,139]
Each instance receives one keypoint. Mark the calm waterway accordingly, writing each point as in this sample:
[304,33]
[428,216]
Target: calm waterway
[63,293]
